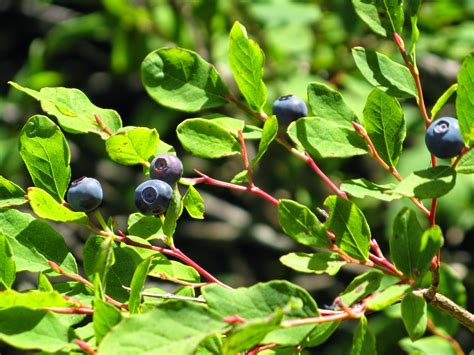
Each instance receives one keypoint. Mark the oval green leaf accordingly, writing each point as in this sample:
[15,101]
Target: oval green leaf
[45,151]
[180,79]
[207,139]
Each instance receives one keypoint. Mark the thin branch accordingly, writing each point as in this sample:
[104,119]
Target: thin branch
[228,185]
[262,116]
[444,304]
[436,331]
[172,252]
[84,281]
[243,151]
[392,170]
[87,348]
[168,296]
[316,320]
[416,76]
[70,310]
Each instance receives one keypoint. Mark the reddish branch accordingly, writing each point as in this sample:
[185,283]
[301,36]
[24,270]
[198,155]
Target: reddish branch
[85,346]
[82,280]
[436,331]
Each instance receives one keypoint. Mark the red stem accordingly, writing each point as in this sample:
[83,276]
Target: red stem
[85,346]
[316,320]
[228,185]
[84,281]
[69,310]
[173,252]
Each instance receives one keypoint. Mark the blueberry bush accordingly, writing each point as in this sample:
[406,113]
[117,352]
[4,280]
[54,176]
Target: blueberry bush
[104,301]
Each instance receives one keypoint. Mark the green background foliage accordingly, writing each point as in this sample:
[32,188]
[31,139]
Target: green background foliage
[98,47]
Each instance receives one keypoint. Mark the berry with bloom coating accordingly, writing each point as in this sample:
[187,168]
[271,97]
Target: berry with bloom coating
[85,194]
[166,167]
[289,108]
[153,196]
[443,138]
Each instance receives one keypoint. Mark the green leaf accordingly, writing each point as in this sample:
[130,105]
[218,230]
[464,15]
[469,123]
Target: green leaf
[387,297]
[241,177]
[132,145]
[248,335]
[429,183]
[350,227]
[429,345]
[318,263]
[414,315]
[207,139]
[320,334]
[10,194]
[465,100]
[382,16]
[246,61]
[361,286]
[301,224]
[252,132]
[180,79]
[43,283]
[136,286]
[146,227]
[363,342]
[389,76]
[327,138]
[33,299]
[443,99]
[172,215]
[451,286]
[413,8]
[29,329]
[174,269]
[105,317]
[33,242]
[194,203]
[98,255]
[412,249]
[211,345]
[362,188]
[74,111]
[7,264]
[45,152]
[45,206]
[328,103]
[466,163]
[261,301]
[171,328]
[385,125]
[233,125]
[270,130]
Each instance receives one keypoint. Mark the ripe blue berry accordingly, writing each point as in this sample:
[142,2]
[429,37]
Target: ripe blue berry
[289,108]
[85,194]
[166,167]
[443,138]
[153,196]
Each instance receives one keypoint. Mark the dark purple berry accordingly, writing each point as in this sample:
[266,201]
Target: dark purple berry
[289,108]
[166,167]
[85,194]
[443,138]
[153,196]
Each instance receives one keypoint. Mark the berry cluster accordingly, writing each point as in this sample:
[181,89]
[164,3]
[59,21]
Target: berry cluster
[151,197]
